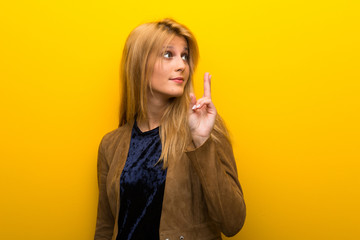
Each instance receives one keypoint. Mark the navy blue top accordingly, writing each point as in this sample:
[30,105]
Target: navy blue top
[142,185]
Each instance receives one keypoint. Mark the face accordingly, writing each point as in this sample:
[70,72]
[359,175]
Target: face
[171,70]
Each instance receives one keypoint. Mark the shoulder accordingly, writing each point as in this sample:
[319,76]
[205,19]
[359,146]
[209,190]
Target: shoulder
[112,139]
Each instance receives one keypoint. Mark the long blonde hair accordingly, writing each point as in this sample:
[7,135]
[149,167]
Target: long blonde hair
[136,68]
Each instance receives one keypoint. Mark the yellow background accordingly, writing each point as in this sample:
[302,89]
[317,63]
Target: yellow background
[285,79]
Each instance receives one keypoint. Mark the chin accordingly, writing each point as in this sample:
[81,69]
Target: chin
[170,94]
[178,94]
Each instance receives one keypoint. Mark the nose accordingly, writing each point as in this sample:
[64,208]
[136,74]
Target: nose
[180,65]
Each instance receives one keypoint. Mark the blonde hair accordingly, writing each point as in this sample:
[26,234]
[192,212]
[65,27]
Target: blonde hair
[136,68]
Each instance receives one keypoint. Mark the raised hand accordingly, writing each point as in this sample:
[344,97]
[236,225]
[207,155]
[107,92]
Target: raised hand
[202,114]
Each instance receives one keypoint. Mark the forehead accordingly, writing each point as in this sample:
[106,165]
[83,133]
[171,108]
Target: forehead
[178,42]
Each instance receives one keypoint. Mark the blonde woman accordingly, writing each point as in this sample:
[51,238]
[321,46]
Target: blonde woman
[168,172]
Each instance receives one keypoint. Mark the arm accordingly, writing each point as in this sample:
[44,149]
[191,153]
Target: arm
[105,220]
[215,165]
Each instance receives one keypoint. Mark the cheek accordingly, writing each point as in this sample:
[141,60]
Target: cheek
[156,69]
[157,75]
[160,70]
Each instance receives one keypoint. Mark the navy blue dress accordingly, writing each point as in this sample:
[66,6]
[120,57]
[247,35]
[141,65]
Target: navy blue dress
[142,185]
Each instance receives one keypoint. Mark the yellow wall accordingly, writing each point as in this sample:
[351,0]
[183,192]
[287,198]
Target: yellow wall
[285,78]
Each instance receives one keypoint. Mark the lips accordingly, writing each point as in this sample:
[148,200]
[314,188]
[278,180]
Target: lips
[177,79]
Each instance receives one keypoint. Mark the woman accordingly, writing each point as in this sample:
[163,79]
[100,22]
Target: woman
[168,171]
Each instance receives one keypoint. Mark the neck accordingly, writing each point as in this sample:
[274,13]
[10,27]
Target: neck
[155,110]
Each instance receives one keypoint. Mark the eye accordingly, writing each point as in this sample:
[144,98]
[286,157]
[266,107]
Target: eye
[167,54]
[185,57]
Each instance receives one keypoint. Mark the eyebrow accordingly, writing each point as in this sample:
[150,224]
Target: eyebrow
[171,47]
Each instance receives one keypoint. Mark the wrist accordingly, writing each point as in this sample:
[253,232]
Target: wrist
[199,140]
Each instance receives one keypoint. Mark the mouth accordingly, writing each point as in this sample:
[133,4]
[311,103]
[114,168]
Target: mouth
[178,79]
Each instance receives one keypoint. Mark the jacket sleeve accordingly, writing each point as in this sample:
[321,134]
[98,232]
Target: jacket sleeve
[216,167]
[105,219]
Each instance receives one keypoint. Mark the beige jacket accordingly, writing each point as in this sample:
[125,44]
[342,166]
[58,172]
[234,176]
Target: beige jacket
[202,196]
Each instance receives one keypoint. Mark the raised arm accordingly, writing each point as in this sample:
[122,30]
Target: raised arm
[215,165]
[216,168]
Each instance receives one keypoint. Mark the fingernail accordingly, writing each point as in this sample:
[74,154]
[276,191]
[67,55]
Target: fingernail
[193,107]
[198,106]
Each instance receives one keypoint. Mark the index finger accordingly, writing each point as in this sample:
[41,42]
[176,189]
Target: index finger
[207,85]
